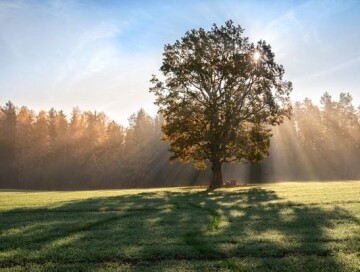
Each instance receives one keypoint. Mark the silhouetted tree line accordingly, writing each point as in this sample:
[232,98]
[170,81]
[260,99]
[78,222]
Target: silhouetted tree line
[86,150]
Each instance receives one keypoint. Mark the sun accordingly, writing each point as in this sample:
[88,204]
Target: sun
[256,56]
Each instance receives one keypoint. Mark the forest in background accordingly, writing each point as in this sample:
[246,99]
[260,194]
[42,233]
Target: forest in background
[85,150]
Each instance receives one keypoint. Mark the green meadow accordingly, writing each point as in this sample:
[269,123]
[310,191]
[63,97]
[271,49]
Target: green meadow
[309,226]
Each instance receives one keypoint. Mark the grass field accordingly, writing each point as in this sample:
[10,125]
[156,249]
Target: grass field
[277,227]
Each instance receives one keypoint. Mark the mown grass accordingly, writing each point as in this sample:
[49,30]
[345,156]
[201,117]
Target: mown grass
[278,227]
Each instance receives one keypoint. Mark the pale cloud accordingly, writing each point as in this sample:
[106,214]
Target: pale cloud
[101,31]
[333,69]
[8,8]
[117,84]
[93,51]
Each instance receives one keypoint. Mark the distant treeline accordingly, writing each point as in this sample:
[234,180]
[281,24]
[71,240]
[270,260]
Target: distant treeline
[86,150]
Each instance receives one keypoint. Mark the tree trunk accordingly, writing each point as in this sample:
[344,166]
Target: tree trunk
[217,180]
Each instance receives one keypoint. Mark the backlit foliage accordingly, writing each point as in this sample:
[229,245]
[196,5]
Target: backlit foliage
[218,101]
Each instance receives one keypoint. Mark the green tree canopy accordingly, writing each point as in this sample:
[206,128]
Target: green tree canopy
[219,95]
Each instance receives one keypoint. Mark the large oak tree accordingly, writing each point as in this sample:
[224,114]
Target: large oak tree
[220,95]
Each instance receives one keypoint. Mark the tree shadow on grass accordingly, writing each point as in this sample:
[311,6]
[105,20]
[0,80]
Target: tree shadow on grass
[233,230]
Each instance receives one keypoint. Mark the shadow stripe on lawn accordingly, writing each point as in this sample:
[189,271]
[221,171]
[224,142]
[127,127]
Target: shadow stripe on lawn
[274,204]
[86,227]
[83,210]
[156,260]
[192,238]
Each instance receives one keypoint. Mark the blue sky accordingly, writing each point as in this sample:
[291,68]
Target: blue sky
[99,55]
